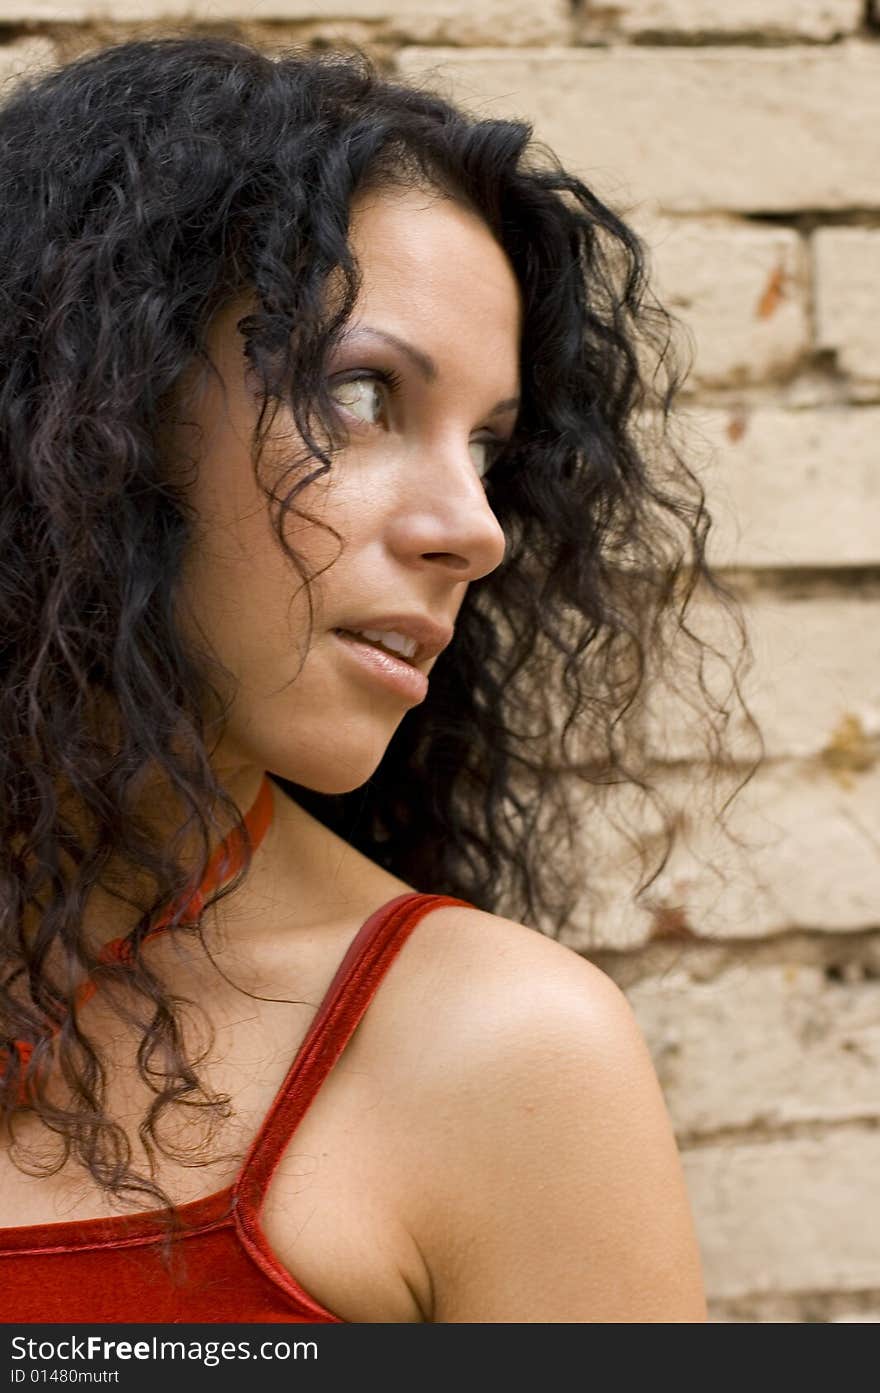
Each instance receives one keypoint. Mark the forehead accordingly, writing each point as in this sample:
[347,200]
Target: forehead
[425,257]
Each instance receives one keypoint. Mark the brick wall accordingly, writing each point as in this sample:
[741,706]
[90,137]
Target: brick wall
[746,149]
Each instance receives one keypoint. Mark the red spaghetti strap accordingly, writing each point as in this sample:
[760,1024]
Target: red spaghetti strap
[357,978]
[112,1269]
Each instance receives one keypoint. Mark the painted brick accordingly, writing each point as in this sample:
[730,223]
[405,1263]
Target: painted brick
[800,853]
[421,21]
[814,687]
[27,56]
[793,1215]
[741,292]
[807,857]
[762,1044]
[792,488]
[812,1308]
[808,19]
[847,262]
[688,129]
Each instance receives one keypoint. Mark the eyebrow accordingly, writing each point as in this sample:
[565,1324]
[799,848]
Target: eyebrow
[423,361]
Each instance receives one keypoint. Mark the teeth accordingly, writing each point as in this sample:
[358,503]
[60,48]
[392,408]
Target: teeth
[397,643]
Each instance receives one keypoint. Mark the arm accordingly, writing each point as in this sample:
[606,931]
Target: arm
[557,1192]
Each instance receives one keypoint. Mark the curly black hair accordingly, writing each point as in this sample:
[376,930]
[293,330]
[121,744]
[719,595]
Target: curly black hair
[142,186]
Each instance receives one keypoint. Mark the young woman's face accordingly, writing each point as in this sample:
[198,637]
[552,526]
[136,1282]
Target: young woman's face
[426,381]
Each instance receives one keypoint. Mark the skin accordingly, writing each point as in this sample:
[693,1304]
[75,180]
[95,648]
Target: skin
[405,495]
[514,1161]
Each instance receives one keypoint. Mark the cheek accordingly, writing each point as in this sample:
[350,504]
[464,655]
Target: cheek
[237,599]
[337,520]
[250,603]
[248,597]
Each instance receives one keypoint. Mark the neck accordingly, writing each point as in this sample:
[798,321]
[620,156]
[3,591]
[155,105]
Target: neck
[117,903]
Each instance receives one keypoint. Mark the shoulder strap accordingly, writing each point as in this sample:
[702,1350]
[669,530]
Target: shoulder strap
[370,954]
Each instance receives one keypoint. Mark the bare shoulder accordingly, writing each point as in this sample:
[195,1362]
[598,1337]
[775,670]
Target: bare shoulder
[550,1186]
[493,982]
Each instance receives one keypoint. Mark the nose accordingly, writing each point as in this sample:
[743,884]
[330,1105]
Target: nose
[444,518]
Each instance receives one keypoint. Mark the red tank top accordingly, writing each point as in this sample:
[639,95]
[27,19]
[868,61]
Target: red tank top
[222,1267]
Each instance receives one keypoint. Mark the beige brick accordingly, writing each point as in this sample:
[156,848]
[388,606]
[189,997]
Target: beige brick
[847,262]
[809,856]
[793,1215]
[421,21]
[802,851]
[19,59]
[811,1308]
[762,1045]
[808,19]
[740,291]
[791,488]
[689,130]
[814,687]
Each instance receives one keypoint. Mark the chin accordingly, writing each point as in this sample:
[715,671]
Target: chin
[330,774]
[335,786]
[330,758]
[319,799]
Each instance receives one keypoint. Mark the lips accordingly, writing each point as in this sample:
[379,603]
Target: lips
[371,636]
[378,665]
[431,636]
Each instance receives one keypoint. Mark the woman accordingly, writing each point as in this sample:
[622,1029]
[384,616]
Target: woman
[329,543]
